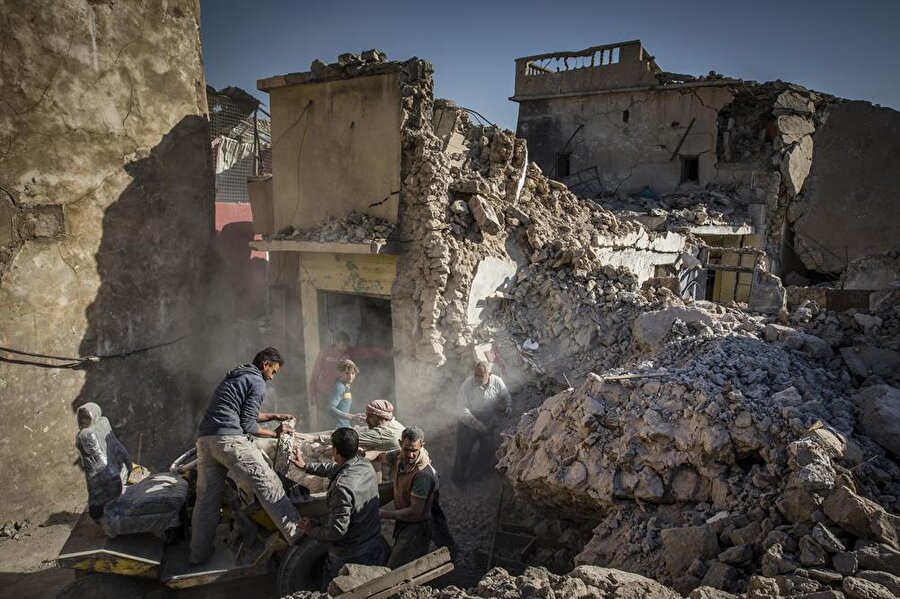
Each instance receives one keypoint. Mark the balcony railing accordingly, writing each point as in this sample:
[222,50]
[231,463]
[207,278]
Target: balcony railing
[568,61]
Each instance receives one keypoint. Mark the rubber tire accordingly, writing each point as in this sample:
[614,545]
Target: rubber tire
[300,567]
[102,586]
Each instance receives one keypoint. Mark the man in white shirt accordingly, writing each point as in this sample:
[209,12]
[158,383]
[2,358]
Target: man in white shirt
[483,398]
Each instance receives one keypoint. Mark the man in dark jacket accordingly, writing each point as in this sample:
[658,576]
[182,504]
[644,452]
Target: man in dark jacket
[352,530]
[224,444]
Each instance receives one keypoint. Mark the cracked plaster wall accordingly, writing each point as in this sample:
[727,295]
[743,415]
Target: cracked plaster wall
[848,206]
[628,154]
[106,214]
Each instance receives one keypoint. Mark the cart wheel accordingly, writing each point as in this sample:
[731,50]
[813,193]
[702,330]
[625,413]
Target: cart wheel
[103,586]
[300,567]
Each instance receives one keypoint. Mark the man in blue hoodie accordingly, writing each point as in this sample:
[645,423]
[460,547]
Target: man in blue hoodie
[225,443]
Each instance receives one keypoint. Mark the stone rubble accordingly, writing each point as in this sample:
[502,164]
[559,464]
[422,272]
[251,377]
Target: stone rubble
[719,457]
[14,529]
[716,451]
[353,228]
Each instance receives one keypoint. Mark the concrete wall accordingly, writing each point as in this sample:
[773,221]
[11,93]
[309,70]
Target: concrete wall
[849,207]
[336,148]
[632,153]
[106,215]
[571,72]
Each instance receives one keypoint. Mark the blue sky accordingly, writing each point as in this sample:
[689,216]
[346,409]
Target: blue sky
[847,49]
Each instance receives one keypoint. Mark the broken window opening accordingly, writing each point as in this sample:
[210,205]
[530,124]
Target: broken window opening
[690,168]
[563,165]
[625,116]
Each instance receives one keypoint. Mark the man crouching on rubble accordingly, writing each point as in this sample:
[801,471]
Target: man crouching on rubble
[224,444]
[352,530]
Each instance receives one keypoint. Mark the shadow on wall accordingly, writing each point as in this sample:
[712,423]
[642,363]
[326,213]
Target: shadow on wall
[154,269]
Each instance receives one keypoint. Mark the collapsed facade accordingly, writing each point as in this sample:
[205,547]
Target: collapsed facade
[807,177]
[703,445]
[403,201]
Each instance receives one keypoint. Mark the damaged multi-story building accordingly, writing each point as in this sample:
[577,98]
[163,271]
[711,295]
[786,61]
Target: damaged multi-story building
[693,441]
[809,178]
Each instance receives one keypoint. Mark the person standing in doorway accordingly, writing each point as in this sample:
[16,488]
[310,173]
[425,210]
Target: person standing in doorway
[324,373]
[341,399]
[482,399]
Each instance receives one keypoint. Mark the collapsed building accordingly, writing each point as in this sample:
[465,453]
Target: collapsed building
[702,444]
[805,176]
[713,448]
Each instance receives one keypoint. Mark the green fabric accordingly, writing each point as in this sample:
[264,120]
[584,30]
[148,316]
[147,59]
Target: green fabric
[422,486]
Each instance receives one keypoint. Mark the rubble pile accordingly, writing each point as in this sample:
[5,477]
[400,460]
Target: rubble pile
[670,211]
[353,228]
[868,342]
[582,583]
[313,449]
[488,201]
[721,459]
[14,529]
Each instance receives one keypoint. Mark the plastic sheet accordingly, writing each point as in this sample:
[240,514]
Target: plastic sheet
[151,506]
[105,461]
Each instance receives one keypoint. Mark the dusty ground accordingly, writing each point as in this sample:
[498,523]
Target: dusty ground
[27,566]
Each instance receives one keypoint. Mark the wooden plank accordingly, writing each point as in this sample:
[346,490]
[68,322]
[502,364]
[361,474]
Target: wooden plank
[414,582]
[725,268]
[407,572]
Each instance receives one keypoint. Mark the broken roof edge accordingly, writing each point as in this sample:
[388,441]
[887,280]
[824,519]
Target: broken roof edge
[591,50]
[337,71]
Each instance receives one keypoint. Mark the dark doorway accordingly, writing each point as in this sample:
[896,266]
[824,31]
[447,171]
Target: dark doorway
[367,320]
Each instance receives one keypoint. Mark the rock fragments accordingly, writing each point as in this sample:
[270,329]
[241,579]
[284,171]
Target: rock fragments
[582,583]
[717,459]
[353,228]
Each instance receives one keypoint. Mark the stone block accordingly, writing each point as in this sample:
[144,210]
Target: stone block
[775,562]
[859,588]
[684,545]
[790,102]
[862,517]
[879,557]
[879,416]
[888,581]
[721,576]
[845,562]
[795,165]
[484,214]
[793,128]
[867,360]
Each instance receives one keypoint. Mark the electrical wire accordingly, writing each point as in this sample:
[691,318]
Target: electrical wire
[477,115]
[76,362]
